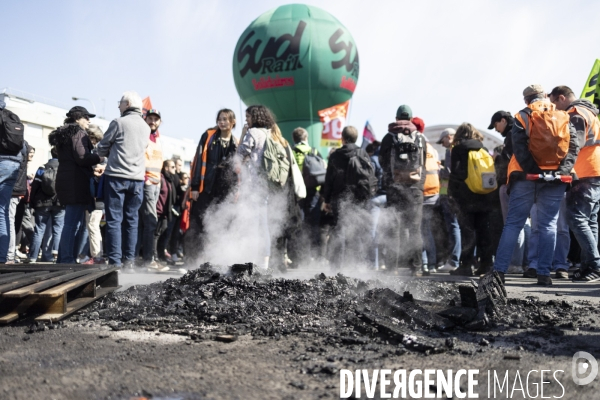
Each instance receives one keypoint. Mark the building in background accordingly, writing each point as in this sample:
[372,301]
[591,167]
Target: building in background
[40,116]
[432,133]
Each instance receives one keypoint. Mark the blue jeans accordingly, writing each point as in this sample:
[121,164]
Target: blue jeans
[453,227]
[74,223]
[149,222]
[8,176]
[377,203]
[122,201]
[44,217]
[429,251]
[524,194]
[518,257]
[563,240]
[583,204]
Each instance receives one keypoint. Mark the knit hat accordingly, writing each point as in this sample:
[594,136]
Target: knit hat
[533,89]
[404,113]
[419,123]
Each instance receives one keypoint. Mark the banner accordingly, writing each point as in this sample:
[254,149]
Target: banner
[591,90]
[368,135]
[334,120]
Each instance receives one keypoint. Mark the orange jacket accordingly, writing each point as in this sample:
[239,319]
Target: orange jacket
[587,164]
[432,169]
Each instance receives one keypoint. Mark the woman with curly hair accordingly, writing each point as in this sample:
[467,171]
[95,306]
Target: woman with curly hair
[75,169]
[474,209]
[260,124]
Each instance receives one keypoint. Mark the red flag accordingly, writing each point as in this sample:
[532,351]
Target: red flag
[334,120]
[368,135]
[146,105]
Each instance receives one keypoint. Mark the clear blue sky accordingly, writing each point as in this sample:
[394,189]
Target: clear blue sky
[451,61]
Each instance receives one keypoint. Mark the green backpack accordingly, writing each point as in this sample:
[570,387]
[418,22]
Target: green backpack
[275,162]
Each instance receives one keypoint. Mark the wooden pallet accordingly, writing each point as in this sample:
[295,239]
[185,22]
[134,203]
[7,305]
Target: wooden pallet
[51,294]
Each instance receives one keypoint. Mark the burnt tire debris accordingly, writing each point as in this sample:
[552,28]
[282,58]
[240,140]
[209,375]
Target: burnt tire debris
[209,304]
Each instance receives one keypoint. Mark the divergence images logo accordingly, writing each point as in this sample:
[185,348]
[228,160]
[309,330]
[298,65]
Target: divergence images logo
[268,61]
[584,368]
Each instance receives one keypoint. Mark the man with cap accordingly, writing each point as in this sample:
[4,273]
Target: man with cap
[547,194]
[447,204]
[125,144]
[502,122]
[402,158]
[152,182]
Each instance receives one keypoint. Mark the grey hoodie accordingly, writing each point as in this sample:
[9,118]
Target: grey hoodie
[125,144]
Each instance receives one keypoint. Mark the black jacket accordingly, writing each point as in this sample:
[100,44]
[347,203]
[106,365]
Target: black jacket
[220,176]
[457,188]
[520,142]
[76,163]
[20,188]
[335,179]
[501,160]
[385,154]
[43,187]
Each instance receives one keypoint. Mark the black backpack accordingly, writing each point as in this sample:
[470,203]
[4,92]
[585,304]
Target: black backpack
[407,160]
[360,176]
[12,133]
[48,181]
[313,169]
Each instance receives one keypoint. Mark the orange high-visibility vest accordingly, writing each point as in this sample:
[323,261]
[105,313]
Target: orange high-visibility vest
[203,159]
[587,164]
[432,169]
[154,161]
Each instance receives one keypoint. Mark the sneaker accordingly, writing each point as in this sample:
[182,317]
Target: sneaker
[543,280]
[462,271]
[425,270]
[84,260]
[20,255]
[447,267]
[128,267]
[29,261]
[515,269]
[561,274]
[155,266]
[587,275]
[99,260]
[530,273]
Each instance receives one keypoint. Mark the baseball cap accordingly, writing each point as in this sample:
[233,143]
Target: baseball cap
[497,117]
[153,111]
[404,112]
[533,89]
[445,132]
[82,110]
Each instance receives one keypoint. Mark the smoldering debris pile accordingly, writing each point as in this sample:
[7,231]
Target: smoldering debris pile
[208,304]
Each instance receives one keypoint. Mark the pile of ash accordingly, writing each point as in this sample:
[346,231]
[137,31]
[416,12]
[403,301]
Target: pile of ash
[206,303]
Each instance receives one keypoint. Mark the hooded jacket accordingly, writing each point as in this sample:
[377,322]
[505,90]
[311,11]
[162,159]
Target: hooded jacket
[335,179]
[125,143]
[76,163]
[396,131]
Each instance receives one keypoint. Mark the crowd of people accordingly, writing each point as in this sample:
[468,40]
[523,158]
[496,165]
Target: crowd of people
[111,198]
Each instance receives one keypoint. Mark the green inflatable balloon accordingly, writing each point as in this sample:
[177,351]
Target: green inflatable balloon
[296,60]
